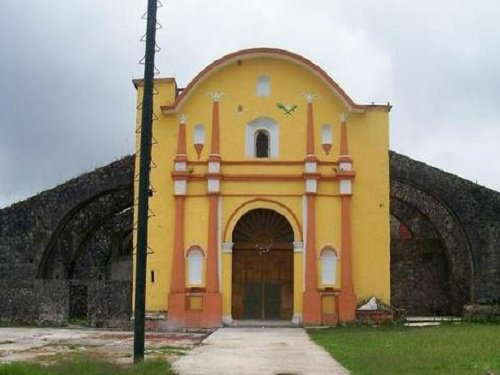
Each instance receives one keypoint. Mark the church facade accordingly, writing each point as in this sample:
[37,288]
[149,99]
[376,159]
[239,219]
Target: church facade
[270,195]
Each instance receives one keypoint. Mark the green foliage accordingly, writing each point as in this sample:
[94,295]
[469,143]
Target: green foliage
[287,108]
[22,369]
[87,367]
[459,349]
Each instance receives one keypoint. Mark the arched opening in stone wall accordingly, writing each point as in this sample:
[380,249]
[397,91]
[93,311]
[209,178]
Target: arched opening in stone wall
[431,264]
[89,259]
[420,274]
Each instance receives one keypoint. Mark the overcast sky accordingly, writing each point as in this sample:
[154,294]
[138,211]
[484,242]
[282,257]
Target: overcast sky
[67,102]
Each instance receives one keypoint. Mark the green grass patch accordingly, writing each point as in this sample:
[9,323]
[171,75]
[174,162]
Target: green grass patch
[458,349]
[88,367]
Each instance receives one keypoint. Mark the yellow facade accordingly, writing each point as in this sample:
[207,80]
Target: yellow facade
[278,182]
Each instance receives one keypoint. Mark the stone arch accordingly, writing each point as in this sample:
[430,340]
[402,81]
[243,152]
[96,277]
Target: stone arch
[405,198]
[105,243]
[76,227]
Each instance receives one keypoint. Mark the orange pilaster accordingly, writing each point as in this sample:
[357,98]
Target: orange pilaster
[176,298]
[311,314]
[344,147]
[310,130]
[212,298]
[181,139]
[214,149]
[347,297]
[212,261]
[178,263]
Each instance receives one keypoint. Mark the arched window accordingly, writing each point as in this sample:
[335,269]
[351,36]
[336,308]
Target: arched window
[262,138]
[328,266]
[195,258]
[263,86]
[262,144]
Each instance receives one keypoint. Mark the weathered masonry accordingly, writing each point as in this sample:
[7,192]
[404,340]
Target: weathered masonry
[445,240]
[445,246]
[66,253]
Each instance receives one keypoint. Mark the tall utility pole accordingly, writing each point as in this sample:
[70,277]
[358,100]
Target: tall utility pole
[144,165]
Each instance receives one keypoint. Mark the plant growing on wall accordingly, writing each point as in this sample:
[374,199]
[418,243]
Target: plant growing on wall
[287,109]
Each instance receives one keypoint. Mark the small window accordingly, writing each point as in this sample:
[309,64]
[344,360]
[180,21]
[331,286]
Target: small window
[195,266]
[199,134]
[262,144]
[326,134]
[263,86]
[328,266]
[262,138]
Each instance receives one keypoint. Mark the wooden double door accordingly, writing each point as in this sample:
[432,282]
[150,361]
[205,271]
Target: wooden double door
[262,285]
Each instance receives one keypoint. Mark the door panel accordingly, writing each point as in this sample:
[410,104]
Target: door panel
[272,301]
[252,301]
[262,284]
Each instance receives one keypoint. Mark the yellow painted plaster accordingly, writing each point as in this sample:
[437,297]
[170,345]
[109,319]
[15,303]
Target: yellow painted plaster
[368,142]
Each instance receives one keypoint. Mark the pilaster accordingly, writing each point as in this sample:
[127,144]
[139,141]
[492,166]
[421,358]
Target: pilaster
[347,298]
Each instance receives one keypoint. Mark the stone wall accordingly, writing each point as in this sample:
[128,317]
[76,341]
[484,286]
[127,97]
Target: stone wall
[66,252]
[67,246]
[463,222]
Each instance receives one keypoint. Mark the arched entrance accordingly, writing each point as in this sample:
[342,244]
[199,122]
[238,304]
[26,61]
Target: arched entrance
[262,281]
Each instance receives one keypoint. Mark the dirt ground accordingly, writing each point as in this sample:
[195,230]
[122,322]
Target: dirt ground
[46,345]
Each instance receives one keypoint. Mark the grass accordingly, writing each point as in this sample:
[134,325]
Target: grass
[88,367]
[457,349]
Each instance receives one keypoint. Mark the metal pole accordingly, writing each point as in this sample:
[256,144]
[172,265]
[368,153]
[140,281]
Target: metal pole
[144,165]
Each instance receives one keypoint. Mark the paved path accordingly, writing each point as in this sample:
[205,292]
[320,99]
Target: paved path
[255,351]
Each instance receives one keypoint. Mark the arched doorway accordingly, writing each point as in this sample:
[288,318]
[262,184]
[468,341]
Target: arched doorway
[262,282]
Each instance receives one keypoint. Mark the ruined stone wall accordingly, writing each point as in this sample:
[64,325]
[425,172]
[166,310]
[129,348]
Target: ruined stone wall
[465,218]
[420,275]
[77,233]
[66,252]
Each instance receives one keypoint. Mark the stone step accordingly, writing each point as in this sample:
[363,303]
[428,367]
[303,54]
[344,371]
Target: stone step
[434,319]
[249,323]
[422,321]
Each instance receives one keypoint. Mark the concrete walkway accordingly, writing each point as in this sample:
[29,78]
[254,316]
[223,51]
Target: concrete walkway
[254,351]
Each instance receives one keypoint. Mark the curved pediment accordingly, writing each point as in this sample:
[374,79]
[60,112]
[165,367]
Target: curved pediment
[270,53]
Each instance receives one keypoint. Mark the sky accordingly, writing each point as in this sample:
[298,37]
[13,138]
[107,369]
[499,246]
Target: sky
[67,104]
